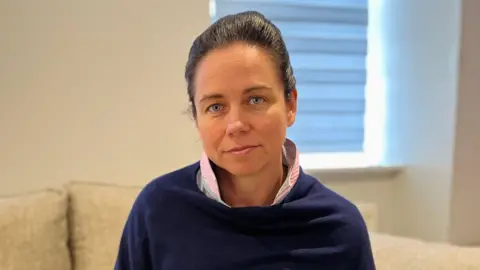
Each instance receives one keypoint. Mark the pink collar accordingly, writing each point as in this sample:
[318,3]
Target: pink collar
[207,181]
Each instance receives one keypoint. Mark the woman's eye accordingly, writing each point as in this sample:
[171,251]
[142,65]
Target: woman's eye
[256,100]
[214,108]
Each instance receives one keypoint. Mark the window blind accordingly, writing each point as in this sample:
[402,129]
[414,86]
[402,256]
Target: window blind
[327,42]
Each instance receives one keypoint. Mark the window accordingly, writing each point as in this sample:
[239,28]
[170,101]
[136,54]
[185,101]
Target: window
[327,42]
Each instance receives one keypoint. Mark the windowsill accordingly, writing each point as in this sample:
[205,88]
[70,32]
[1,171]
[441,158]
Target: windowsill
[356,173]
[346,166]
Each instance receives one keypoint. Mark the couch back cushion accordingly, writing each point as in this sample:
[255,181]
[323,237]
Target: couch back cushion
[98,213]
[33,231]
[397,253]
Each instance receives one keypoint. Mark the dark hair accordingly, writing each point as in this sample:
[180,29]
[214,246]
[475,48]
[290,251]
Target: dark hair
[250,27]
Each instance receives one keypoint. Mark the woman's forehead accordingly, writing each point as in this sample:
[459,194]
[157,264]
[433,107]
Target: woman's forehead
[239,67]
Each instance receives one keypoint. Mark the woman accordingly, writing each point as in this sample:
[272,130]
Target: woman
[246,204]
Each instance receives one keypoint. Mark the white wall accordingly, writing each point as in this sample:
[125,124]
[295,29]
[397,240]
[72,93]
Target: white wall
[430,71]
[465,213]
[94,90]
[420,40]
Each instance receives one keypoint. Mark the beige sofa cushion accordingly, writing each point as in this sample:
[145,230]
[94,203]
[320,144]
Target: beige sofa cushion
[369,212]
[397,253]
[33,232]
[98,213]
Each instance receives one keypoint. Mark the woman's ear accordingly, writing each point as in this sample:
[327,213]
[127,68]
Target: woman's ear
[291,106]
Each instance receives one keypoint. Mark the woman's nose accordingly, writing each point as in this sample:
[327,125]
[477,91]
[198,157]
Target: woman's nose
[236,128]
[236,123]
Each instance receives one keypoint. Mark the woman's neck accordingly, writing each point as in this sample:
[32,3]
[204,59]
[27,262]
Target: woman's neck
[253,190]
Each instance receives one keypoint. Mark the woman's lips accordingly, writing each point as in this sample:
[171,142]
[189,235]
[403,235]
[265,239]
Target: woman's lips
[242,150]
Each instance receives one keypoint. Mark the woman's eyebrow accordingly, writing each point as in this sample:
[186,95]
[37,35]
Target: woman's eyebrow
[210,97]
[246,91]
[256,88]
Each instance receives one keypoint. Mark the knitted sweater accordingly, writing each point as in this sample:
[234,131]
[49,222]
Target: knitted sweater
[173,225]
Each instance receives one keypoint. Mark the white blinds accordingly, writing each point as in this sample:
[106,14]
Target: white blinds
[327,42]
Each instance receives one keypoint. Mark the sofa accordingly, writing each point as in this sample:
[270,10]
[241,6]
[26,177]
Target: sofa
[78,227]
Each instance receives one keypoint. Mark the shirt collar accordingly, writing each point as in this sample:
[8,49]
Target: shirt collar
[208,183]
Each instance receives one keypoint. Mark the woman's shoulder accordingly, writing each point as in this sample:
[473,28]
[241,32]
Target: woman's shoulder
[174,178]
[339,212]
[328,200]
[179,179]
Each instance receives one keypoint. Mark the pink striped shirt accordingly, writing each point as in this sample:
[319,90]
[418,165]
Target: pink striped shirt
[208,183]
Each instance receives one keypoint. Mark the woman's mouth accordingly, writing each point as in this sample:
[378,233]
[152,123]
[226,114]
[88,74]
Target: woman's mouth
[242,150]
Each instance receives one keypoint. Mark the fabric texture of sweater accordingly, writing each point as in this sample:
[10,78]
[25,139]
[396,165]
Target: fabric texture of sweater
[175,226]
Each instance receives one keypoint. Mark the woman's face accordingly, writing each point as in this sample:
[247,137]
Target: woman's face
[242,114]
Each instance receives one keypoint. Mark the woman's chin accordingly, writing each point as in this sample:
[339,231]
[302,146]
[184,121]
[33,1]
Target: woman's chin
[243,169]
